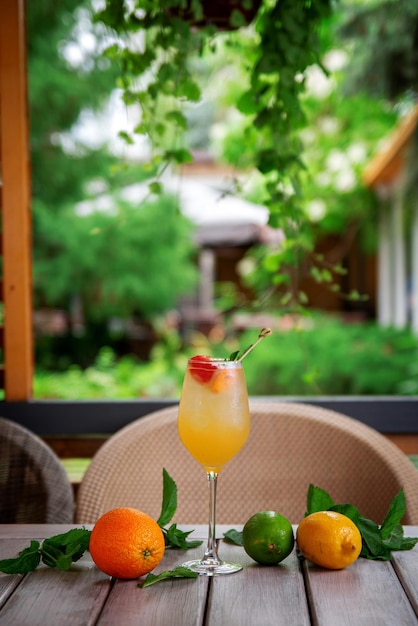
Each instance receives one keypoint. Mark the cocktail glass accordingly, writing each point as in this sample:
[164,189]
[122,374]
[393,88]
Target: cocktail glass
[213,424]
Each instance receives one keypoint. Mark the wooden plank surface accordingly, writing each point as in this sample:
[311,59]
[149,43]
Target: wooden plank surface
[406,566]
[44,597]
[258,594]
[171,603]
[368,593]
[47,596]
[8,583]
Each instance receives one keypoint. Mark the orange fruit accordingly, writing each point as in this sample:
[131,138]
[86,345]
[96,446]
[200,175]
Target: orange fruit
[222,380]
[126,543]
[329,539]
[267,537]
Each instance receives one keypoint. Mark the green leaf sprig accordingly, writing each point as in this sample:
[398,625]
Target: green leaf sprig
[377,541]
[177,572]
[174,537]
[60,551]
[233,536]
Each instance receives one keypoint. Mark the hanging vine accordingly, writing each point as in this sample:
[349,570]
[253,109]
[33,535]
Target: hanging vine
[156,40]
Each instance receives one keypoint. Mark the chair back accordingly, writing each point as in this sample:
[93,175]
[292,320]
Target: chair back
[34,487]
[290,446]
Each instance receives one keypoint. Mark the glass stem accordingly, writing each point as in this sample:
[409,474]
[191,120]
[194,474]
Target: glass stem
[211,553]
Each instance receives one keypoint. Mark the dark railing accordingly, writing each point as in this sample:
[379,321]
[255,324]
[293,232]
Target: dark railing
[387,414]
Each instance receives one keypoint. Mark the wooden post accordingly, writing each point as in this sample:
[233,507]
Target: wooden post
[414,271]
[207,279]
[16,217]
[384,281]
[399,262]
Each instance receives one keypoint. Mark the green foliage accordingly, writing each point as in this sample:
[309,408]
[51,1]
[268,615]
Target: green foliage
[58,91]
[138,261]
[326,357]
[59,551]
[385,47]
[111,377]
[342,137]
[178,572]
[378,541]
[283,43]
[338,135]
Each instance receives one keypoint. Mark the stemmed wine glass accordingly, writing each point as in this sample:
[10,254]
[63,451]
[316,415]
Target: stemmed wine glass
[213,424]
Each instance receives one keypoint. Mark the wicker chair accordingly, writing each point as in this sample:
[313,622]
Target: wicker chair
[34,487]
[290,446]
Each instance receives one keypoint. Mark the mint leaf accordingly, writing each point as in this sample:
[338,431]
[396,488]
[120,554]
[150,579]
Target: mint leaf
[394,540]
[234,356]
[177,572]
[75,542]
[233,536]
[62,550]
[27,561]
[318,500]
[408,543]
[169,503]
[373,546]
[173,536]
[349,510]
[59,551]
[55,557]
[176,538]
[394,515]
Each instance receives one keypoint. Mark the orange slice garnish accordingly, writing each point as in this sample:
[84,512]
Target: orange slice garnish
[222,380]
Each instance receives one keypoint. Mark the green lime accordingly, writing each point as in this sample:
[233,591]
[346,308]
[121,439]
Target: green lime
[268,537]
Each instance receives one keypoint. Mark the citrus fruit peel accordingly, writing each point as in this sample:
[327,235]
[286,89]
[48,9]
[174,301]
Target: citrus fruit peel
[329,539]
[222,380]
[267,537]
[126,543]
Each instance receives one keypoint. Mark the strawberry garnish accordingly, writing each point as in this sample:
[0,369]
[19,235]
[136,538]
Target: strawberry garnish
[201,368]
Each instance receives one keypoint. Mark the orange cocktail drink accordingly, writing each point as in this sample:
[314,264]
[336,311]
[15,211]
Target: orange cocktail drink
[213,424]
[214,418]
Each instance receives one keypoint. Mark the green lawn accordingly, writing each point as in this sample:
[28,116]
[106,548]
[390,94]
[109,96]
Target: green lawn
[414,459]
[75,468]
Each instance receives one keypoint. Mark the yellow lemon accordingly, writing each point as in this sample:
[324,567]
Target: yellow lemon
[329,539]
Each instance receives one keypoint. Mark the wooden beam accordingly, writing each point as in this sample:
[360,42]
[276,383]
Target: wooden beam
[384,281]
[16,218]
[389,161]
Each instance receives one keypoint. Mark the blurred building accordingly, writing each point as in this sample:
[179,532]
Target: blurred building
[392,174]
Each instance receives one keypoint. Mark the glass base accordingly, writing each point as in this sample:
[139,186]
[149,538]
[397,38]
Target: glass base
[209,567]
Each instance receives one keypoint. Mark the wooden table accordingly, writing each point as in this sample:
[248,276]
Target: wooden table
[294,592]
